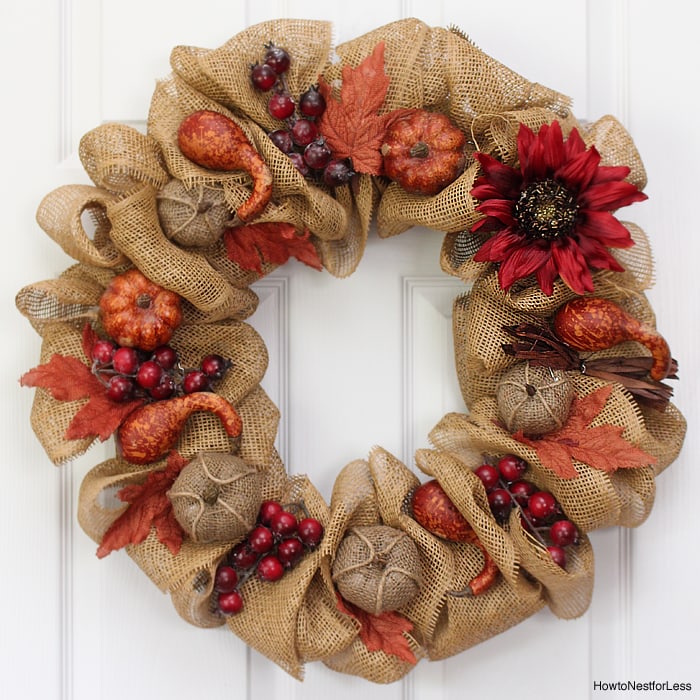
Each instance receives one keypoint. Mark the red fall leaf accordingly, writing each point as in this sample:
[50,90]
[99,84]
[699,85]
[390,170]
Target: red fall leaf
[602,447]
[149,506]
[384,632]
[351,126]
[274,242]
[67,378]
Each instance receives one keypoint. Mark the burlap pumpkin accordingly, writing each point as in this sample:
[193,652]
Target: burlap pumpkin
[216,497]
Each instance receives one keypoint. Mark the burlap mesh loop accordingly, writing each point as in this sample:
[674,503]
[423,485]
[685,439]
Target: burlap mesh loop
[61,214]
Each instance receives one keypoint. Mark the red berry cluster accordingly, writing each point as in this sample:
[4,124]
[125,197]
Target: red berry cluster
[540,513]
[300,138]
[129,373]
[276,544]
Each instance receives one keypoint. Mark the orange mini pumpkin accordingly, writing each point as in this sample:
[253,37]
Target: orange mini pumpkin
[423,151]
[138,313]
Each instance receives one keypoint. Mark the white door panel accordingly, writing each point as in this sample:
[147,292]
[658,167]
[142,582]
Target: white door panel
[353,363]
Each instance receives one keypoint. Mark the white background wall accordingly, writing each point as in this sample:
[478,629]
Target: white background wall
[75,628]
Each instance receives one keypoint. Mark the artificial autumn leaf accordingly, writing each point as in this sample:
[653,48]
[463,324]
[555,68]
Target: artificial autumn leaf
[67,378]
[351,126]
[149,506]
[383,632]
[274,242]
[601,447]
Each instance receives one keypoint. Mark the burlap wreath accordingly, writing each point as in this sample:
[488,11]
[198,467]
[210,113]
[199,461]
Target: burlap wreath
[154,210]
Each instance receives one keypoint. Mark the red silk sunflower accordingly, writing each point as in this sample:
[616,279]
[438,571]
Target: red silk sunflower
[552,215]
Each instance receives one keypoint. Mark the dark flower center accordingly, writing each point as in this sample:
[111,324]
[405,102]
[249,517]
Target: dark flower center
[546,209]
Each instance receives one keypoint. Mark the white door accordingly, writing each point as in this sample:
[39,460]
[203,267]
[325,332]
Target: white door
[76,628]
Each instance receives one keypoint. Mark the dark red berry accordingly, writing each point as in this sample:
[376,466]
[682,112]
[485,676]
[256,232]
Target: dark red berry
[310,532]
[267,510]
[521,491]
[263,77]
[230,603]
[512,467]
[242,556]
[225,579]
[102,351]
[283,523]
[125,360]
[542,505]
[282,139]
[195,380]
[164,390]
[120,388]
[563,533]
[500,503]
[149,374]
[299,163]
[488,475]
[270,568]
[290,551]
[337,173]
[277,58]
[281,106]
[304,132]
[317,154]
[260,539]
[165,356]
[312,103]
[558,555]
[214,366]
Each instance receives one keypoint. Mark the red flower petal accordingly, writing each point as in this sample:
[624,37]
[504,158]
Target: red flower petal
[598,256]
[553,146]
[605,228]
[505,179]
[501,209]
[546,274]
[520,263]
[498,247]
[578,171]
[608,196]
[572,266]
[608,173]
[485,190]
[574,144]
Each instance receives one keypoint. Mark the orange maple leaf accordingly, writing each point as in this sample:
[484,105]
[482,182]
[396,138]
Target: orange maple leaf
[273,242]
[149,506]
[67,378]
[351,126]
[384,632]
[601,447]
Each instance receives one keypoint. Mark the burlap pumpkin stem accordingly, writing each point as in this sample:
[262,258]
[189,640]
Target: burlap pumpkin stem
[216,497]
[535,400]
[195,217]
[377,568]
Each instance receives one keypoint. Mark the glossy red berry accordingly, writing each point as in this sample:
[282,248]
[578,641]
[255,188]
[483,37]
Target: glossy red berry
[164,389]
[165,356]
[195,380]
[290,551]
[521,491]
[558,555]
[282,139]
[283,524]
[563,533]
[500,503]
[488,475]
[260,539]
[267,510]
[542,505]
[225,579]
[149,374]
[512,467]
[270,568]
[102,351]
[277,58]
[242,556]
[299,163]
[304,132]
[214,366]
[337,172]
[263,77]
[120,388]
[317,154]
[281,105]
[125,360]
[230,603]
[310,532]
[312,103]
